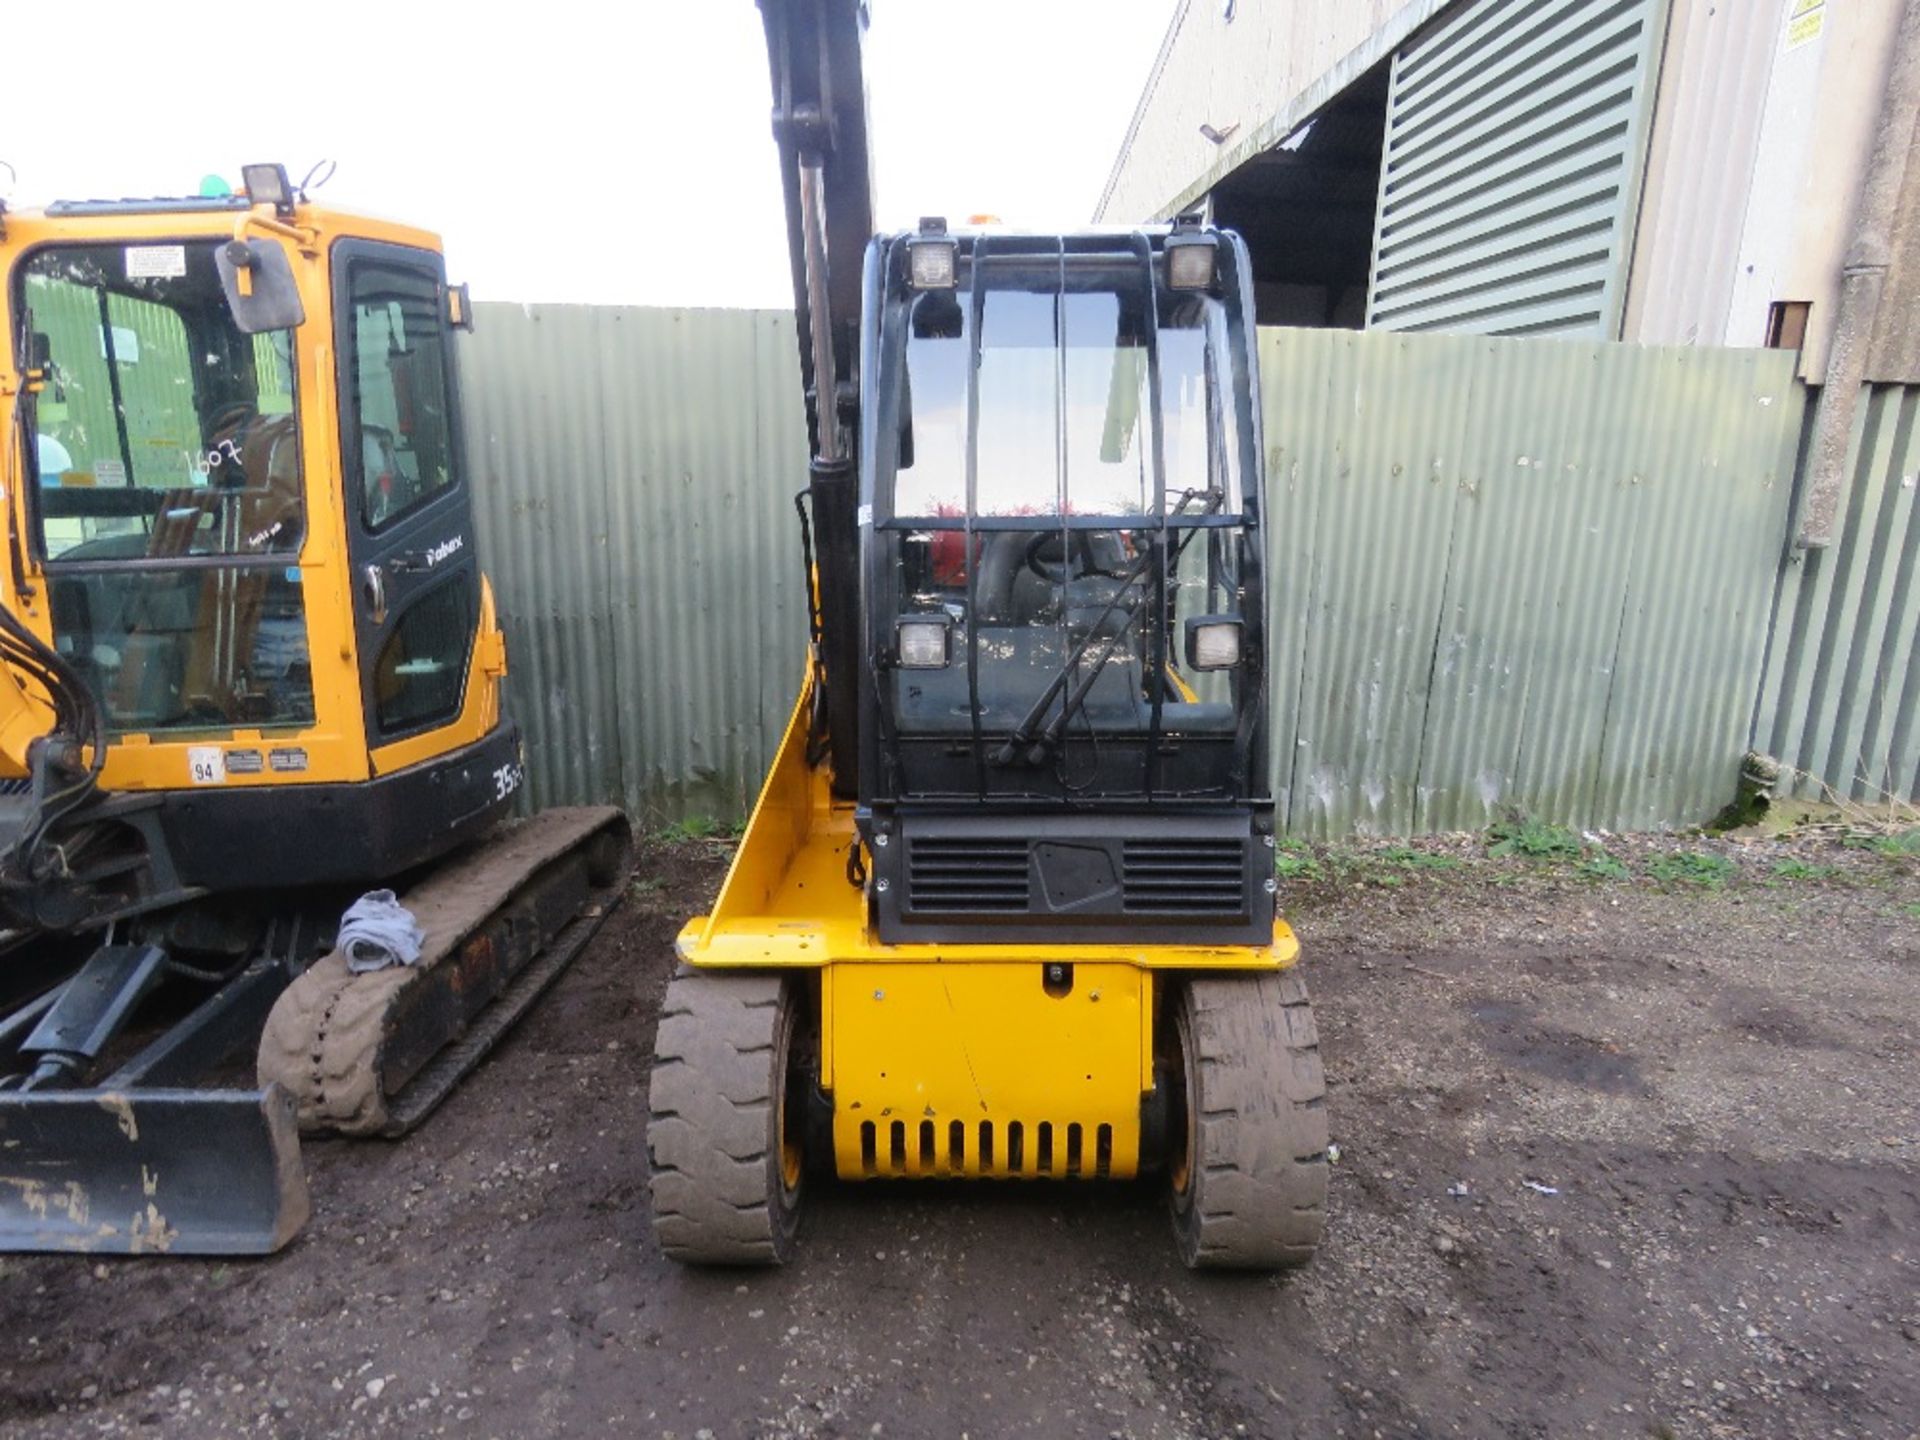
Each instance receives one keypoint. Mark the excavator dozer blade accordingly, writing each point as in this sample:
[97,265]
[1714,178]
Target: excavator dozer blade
[145,1172]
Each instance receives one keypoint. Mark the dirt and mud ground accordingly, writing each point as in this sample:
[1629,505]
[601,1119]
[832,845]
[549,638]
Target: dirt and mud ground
[1626,1157]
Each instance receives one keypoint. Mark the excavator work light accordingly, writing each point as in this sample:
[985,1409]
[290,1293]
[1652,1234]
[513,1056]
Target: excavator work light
[1190,262]
[268,185]
[931,264]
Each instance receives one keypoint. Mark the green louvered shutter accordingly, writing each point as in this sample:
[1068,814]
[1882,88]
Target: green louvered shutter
[1515,136]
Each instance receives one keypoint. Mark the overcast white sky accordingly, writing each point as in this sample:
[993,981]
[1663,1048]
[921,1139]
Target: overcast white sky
[611,153]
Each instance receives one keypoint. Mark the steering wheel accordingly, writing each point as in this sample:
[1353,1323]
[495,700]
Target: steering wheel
[1076,554]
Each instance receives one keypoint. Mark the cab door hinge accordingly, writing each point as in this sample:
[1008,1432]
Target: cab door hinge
[493,653]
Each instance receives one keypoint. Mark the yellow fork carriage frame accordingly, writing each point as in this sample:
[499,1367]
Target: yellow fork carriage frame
[789,1022]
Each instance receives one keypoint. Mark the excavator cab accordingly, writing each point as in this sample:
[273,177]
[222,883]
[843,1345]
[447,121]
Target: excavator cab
[249,669]
[1006,906]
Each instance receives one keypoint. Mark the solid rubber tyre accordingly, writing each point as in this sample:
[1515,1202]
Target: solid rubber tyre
[723,1135]
[1248,1172]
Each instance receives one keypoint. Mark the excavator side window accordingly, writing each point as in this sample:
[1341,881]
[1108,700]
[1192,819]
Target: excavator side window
[420,673]
[401,391]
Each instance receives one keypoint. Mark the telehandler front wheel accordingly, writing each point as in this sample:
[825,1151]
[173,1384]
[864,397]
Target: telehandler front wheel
[727,1118]
[1247,1167]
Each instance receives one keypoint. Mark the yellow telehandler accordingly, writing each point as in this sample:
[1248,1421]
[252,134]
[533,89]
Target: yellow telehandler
[1005,907]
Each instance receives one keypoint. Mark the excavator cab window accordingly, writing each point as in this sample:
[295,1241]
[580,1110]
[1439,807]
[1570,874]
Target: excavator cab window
[168,496]
[400,391]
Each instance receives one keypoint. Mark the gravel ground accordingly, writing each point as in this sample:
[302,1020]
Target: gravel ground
[1620,1156]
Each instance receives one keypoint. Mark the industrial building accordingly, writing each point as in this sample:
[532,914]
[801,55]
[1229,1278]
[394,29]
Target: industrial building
[1695,172]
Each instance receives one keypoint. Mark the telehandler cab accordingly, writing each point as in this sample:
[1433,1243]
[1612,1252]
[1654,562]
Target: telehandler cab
[1005,907]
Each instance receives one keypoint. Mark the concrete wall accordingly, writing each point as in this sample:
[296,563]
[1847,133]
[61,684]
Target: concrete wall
[1259,74]
[1762,125]
[1764,121]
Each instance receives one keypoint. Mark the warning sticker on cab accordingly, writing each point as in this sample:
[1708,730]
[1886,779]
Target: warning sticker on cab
[1805,20]
[207,764]
[156,262]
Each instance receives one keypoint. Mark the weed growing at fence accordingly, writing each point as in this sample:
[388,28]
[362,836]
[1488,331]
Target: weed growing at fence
[1898,844]
[1405,857]
[1602,866]
[695,827]
[1800,870]
[1533,839]
[1692,867]
[1292,864]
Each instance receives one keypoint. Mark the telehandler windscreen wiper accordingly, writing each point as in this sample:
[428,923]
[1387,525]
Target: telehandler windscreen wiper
[1022,736]
[1038,747]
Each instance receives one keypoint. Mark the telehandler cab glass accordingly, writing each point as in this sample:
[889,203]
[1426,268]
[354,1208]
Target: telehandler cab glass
[167,492]
[1062,494]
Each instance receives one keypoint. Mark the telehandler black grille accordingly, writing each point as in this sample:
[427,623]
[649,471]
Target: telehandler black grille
[966,874]
[1184,877]
[902,1149]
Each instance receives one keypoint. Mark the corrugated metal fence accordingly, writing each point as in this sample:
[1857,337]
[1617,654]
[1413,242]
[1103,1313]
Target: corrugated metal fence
[1518,573]
[634,471]
[1507,573]
[1841,699]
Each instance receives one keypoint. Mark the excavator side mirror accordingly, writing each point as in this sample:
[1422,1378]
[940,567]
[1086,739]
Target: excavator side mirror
[258,280]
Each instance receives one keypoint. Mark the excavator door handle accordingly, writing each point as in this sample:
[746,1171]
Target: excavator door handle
[374,588]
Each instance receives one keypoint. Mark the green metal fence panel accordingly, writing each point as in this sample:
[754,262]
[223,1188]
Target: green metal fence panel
[1840,700]
[1510,178]
[634,472]
[1517,574]
[1528,574]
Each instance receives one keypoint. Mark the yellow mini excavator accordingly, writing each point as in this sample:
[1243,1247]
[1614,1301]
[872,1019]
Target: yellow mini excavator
[1006,905]
[249,670]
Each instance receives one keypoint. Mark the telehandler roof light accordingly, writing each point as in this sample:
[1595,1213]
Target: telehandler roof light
[268,185]
[1190,262]
[932,264]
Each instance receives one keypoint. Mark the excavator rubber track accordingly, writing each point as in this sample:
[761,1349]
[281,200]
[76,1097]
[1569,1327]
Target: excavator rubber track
[373,1053]
[146,1162]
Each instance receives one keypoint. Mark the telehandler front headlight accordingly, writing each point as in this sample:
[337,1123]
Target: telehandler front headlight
[924,642]
[1213,642]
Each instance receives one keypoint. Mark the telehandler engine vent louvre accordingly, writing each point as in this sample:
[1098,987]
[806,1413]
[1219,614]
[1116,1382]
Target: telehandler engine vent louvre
[1184,877]
[960,875]
[904,1150]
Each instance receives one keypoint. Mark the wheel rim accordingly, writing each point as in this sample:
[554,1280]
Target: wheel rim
[789,1106]
[1181,1162]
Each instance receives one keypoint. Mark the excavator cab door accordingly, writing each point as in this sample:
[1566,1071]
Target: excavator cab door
[409,511]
